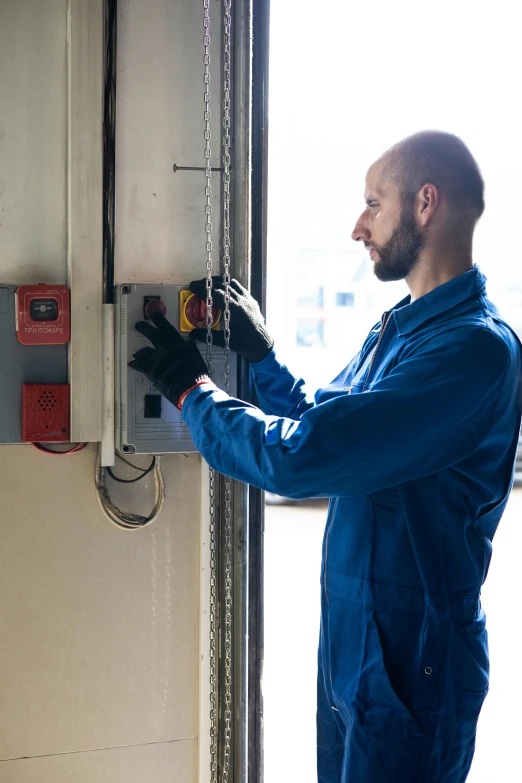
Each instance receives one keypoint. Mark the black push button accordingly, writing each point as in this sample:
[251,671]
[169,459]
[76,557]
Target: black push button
[153,406]
[43,309]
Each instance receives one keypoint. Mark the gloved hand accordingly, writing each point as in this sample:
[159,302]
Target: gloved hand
[248,335]
[174,365]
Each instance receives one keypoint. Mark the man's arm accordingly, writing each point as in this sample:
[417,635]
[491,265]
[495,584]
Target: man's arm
[433,410]
[279,393]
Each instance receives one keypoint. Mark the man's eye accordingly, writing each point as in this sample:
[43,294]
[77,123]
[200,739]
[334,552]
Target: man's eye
[373,206]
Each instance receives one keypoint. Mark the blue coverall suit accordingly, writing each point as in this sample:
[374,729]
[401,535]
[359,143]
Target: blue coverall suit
[416,451]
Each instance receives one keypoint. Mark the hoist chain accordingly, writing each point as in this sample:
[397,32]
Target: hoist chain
[212,503]
[208,174]
[227,25]
[212,479]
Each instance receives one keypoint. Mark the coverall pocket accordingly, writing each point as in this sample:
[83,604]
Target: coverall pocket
[379,682]
[385,740]
[462,742]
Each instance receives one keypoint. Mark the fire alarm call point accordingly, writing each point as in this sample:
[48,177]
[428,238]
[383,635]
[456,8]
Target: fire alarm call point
[43,314]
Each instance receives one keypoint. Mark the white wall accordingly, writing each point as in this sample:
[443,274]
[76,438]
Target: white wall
[32,141]
[160,224]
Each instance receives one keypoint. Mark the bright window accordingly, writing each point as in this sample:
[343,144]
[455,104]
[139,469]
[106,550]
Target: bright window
[347,81]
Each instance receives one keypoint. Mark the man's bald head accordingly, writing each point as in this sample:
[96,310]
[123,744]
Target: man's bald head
[443,160]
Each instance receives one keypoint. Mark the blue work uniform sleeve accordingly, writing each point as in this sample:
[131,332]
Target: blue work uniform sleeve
[278,391]
[433,409]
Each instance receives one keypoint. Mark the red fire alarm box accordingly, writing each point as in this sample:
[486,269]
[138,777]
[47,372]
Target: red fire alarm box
[45,412]
[43,314]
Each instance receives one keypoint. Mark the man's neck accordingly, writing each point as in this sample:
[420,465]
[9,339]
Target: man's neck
[428,275]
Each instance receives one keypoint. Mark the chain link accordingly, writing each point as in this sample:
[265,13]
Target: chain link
[212,482]
[227,25]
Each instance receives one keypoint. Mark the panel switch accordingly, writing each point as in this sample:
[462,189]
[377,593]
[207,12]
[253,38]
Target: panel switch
[153,304]
[153,406]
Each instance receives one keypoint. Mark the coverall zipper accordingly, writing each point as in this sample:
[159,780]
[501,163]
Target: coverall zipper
[386,318]
[329,523]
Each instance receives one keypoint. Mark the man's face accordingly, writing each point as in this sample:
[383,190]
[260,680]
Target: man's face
[388,229]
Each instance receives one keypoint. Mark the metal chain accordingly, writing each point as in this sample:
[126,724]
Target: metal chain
[226,323]
[227,25]
[213,632]
[226,183]
[212,502]
[208,175]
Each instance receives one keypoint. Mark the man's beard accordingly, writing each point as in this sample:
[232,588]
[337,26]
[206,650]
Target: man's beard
[401,252]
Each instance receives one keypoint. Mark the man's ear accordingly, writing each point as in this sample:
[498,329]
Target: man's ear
[428,201]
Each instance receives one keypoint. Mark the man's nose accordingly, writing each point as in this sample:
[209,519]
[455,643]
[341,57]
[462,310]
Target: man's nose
[360,232]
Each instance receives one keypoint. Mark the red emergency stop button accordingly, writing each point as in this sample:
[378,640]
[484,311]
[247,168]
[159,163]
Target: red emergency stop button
[196,312]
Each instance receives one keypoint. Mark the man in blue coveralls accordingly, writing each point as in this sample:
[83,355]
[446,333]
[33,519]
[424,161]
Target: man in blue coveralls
[414,442]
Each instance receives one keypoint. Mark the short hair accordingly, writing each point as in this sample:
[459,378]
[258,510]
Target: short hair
[445,161]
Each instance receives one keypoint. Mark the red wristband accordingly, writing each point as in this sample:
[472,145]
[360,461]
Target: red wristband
[198,383]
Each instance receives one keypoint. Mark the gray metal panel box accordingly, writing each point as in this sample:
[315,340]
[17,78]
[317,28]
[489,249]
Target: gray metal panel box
[136,433]
[22,364]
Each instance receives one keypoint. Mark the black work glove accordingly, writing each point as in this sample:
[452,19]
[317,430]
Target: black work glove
[248,335]
[174,365]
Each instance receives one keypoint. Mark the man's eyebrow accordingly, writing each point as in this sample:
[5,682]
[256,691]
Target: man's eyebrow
[378,194]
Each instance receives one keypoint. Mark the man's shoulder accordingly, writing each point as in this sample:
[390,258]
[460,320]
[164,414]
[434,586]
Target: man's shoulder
[478,335]
[474,323]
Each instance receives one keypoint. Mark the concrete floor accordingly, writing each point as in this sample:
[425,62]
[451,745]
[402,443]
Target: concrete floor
[292,565]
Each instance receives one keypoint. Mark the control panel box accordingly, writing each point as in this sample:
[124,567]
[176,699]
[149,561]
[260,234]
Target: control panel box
[146,423]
